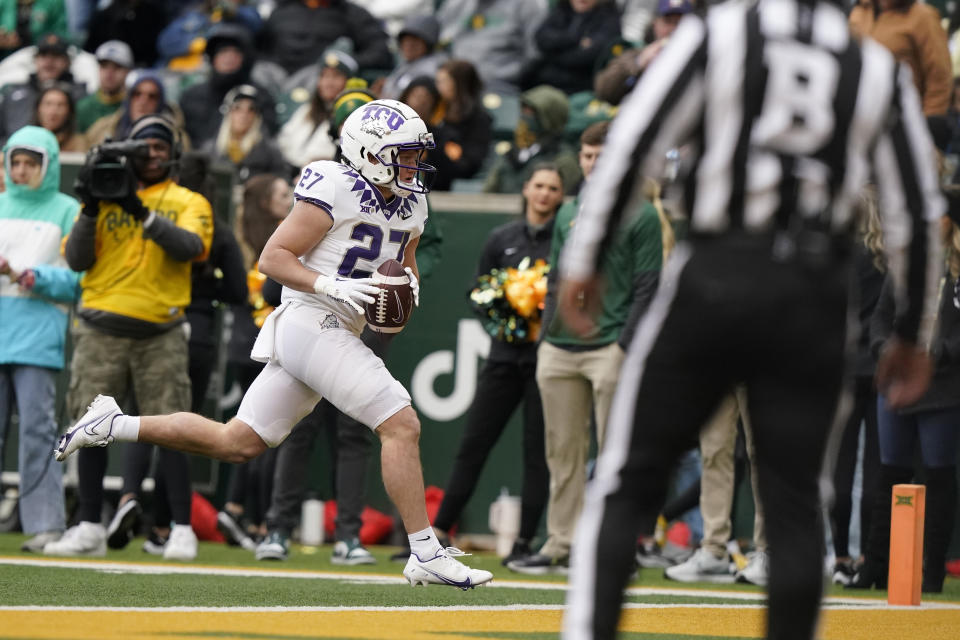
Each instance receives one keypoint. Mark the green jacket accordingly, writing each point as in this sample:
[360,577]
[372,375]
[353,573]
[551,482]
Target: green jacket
[95,106]
[46,16]
[512,169]
[430,248]
[630,271]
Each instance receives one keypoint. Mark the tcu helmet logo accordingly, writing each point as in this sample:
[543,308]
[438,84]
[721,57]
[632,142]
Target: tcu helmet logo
[379,121]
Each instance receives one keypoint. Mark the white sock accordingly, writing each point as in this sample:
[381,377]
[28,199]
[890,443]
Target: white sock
[126,428]
[424,543]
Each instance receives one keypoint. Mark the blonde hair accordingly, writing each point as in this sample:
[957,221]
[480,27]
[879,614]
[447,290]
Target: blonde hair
[869,227]
[951,242]
[651,191]
[246,143]
[943,167]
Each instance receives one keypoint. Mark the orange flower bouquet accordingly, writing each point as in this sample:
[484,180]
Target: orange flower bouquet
[261,309]
[511,300]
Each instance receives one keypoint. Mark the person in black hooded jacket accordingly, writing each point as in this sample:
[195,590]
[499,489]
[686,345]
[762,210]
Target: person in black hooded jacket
[136,22]
[297,31]
[571,40]
[231,53]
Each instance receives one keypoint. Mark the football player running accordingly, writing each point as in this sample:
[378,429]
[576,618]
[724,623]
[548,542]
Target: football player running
[346,220]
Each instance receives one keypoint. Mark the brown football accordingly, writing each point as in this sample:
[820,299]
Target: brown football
[394,304]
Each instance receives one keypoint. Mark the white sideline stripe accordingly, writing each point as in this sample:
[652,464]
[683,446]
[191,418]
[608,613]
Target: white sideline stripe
[832,602]
[160,569]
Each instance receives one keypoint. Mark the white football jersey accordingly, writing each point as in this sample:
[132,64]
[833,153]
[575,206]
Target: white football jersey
[367,231]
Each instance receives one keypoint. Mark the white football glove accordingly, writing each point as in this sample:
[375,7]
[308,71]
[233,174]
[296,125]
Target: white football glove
[415,285]
[351,291]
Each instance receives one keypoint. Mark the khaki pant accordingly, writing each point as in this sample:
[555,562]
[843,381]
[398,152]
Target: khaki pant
[157,368]
[717,442]
[571,384]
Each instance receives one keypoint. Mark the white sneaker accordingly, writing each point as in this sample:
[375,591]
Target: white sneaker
[182,544]
[39,541]
[276,546]
[702,566]
[442,568]
[756,570]
[85,539]
[94,429]
[351,553]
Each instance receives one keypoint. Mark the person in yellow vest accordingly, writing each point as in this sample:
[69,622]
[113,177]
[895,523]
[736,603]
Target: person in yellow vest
[131,333]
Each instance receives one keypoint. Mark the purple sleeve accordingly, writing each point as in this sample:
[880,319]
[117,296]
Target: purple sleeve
[317,203]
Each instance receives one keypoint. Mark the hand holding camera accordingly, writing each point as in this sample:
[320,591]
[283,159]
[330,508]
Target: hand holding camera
[134,206]
[81,186]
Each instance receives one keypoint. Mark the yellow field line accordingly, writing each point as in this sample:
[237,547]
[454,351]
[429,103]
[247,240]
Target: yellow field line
[449,622]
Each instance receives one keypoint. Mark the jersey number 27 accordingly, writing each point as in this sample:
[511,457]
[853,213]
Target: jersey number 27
[370,251]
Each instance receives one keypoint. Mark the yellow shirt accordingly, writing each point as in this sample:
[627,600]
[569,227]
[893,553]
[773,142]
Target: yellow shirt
[133,276]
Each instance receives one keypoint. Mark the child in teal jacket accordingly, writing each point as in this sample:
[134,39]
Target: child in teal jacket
[36,291]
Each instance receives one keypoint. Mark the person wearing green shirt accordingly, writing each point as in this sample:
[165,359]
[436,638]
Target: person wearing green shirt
[116,60]
[24,23]
[577,375]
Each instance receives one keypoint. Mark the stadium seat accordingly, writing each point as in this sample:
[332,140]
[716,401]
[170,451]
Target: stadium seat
[504,109]
[475,184]
[467,185]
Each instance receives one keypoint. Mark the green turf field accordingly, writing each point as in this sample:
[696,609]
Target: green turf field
[226,593]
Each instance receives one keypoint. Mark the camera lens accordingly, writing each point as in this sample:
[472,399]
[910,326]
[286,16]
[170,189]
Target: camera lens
[109,181]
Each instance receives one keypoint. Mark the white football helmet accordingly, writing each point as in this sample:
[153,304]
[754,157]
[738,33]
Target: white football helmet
[372,138]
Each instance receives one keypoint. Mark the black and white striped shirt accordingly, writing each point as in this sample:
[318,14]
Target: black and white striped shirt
[787,114]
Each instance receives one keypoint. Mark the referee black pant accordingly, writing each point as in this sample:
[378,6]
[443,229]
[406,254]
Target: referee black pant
[726,313]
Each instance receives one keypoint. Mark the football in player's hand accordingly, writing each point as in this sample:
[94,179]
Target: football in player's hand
[394,304]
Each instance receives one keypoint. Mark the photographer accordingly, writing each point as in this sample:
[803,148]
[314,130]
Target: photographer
[136,237]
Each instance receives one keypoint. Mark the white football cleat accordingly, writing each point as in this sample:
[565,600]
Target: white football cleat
[442,568]
[182,544]
[94,429]
[84,539]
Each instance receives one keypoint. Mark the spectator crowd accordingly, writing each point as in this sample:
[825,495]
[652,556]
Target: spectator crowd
[517,95]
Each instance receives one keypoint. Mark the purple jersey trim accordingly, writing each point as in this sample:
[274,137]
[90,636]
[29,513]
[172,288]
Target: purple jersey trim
[317,203]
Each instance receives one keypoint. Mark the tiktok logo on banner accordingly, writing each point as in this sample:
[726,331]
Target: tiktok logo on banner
[473,343]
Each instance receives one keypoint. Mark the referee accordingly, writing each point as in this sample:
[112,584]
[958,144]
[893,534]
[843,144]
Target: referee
[783,116]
